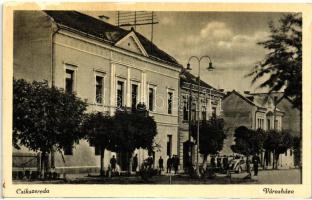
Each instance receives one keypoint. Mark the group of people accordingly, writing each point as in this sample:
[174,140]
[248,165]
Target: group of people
[173,163]
[222,163]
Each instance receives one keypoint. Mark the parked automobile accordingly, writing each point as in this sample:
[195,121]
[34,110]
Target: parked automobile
[238,165]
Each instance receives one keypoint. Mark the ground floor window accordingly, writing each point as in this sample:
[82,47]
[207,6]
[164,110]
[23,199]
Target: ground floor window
[169,145]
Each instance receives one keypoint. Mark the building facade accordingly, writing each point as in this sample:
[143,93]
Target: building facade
[210,106]
[254,111]
[104,65]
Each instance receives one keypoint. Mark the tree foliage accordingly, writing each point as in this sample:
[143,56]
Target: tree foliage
[277,142]
[134,130]
[283,63]
[99,131]
[211,136]
[248,141]
[45,118]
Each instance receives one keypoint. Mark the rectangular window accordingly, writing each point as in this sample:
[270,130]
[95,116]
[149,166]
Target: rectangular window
[69,81]
[170,95]
[214,112]
[151,95]
[204,113]
[193,113]
[169,145]
[134,97]
[269,124]
[120,93]
[68,150]
[286,152]
[185,110]
[99,89]
[291,152]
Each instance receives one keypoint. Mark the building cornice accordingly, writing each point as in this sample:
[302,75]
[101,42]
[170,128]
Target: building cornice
[103,43]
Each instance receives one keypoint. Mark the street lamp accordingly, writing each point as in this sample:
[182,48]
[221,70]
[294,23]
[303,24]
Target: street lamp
[209,68]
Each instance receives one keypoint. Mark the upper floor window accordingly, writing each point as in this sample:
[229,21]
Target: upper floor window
[69,81]
[185,110]
[99,82]
[134,95]
[120,94]
[193,112]
[170,99]
[151,99]
[204,113]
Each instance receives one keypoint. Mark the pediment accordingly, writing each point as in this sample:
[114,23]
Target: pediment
[131,43]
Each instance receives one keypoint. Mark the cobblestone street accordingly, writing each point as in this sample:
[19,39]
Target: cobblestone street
[282,176]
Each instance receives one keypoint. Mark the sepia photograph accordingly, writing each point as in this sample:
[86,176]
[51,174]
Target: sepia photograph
[152,97]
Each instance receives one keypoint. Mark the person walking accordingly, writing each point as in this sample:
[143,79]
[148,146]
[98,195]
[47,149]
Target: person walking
[248,167]
[255,162]
[169,164]
[135,163]
[213,162]
[161,163]
[150,162]
[175,163]
[113,162]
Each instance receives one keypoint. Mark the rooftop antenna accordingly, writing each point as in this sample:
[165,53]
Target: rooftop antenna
[134,19]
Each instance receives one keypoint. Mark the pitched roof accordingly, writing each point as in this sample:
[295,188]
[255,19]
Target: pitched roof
[186,76]
[258,102]
[242,97]
[107,32]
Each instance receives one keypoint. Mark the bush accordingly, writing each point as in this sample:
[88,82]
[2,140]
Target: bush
[148,173]
[20,175]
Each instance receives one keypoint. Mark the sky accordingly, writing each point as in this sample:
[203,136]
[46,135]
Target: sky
[228,38]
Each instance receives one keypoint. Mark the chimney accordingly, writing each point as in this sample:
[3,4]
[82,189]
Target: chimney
[104,18]
[246,92]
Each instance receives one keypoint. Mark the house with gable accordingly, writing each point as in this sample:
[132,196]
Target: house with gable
[260,110]
[106,66]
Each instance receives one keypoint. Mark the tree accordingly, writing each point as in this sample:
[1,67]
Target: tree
[211,136]
[283,63]
[99,132]
[133,130]
[277,142]
[297,150]
[45,118]
[247,141]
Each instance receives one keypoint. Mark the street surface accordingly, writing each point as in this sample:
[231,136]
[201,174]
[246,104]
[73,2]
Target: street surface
[282,176]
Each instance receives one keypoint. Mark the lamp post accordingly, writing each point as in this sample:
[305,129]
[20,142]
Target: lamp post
[210,68]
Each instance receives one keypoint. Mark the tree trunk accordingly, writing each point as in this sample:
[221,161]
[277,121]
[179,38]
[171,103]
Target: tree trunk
[130,162]
[102,172]
[276,160]
[39,162]
[43,165]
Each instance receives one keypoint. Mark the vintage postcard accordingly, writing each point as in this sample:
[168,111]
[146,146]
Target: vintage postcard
[157,100]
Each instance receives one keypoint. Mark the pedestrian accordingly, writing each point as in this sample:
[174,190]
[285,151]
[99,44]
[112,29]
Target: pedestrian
[219,162]
[176,161]
[161,163]
[135,163]
[225,163]
[150,162]
[113,162]
[169,164]
[255,162]
[213,162]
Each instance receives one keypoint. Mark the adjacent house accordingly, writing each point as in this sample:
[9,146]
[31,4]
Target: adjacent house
[260,110]
[210,106]
[107,67]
